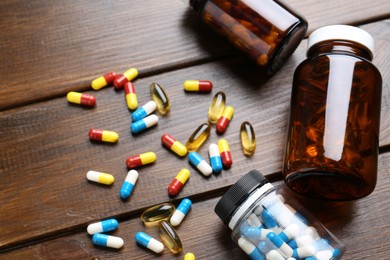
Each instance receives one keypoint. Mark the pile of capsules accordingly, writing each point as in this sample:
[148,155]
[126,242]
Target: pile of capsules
[143,118]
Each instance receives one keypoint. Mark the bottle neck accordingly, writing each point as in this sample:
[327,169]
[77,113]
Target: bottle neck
[340,47]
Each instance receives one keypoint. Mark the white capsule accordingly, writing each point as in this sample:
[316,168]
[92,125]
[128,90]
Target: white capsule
[311,231]
[292,231]
[274,255]
[254,221]
[324,255]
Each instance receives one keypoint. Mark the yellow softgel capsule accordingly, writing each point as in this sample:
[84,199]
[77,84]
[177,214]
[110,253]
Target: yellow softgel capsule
[169,237]
[198,137]
[189,256]
[160,97]
[153,215]
[248,138]
[100,177]
[216,107]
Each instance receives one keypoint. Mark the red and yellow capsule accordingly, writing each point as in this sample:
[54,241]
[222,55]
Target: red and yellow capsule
[104,80]
[174,145]
[140,160]
[131,97]
[81,98]
[103,135]
[179,181]
[128,75]
[198,85]
[224,120]
[224,151]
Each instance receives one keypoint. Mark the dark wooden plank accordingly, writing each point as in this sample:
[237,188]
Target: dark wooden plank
[45,151]
[362,226]
[50,48]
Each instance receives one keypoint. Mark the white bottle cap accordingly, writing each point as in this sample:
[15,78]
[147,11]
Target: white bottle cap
[341,32]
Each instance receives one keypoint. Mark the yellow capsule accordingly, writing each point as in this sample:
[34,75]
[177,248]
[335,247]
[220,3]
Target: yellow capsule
[153,215]
[198,137]
[160,97]
[248,138]
[169,237]
[189,256]
[100,177]
[216,107]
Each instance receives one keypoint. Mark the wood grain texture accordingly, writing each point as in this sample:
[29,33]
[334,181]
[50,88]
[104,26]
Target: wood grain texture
[362,226]
[45,150]
[50,48]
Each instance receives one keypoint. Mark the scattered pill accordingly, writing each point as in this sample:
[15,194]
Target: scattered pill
[215,158]
[149,242]
[169,237]
[128,185]
[100,177]
[224,151]
[81,98]
[181,212]
[103,135]
[144,111]
[102,226]
[153,215]
[172,144]
[143,124]
[160,97]
[224,120]
[131,96]
[179,181]
[197,161]
[198,137]
[107,241]
[250,249]
[141,159]
[189,256]
[198,85]
[104,80]
[216,107]
[248,138]
[128,75]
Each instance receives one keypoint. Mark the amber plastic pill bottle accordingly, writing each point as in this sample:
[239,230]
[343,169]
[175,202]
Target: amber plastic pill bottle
[333,130]
[267,31]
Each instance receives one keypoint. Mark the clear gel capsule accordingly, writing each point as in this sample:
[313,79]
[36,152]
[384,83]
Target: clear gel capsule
[181,212]
[107,241]
[160,97]
[153,215]
[127,76]
[103,135]
[215,158]
[169,237]
[104,80]
[216,107]
[100,177]
[102,226]
[189,256]
[144,111]
[172,144]
[198,137]
[128,185]
[141,159]
[179,181]
[81,98]
[143,124]
[131,96]
[149,242]
[248,138]
[224,120]
[197,161]
[198,85]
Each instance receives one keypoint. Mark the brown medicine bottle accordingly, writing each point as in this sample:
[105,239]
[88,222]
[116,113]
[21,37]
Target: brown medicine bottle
[267,31]
[333,131]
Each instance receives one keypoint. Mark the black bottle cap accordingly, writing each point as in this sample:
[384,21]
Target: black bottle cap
[237,193]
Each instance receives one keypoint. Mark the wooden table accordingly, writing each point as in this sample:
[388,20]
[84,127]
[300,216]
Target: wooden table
[48,48]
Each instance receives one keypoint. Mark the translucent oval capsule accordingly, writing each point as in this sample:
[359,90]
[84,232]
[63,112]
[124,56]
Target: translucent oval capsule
[155,214]
[198,137]
[248,138]
[216,107]
[160,97]
[169,237]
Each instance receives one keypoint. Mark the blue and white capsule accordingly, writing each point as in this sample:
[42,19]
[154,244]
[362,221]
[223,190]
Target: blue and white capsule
[303,252]
[198,161]
[282,247]
[144,111]
[255,234]
[149,242]
[143,124]
[268,220]
[107,241]
[250,249]
[180,212]
[102,226]
[215,158]
[128,185]
[289,232]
